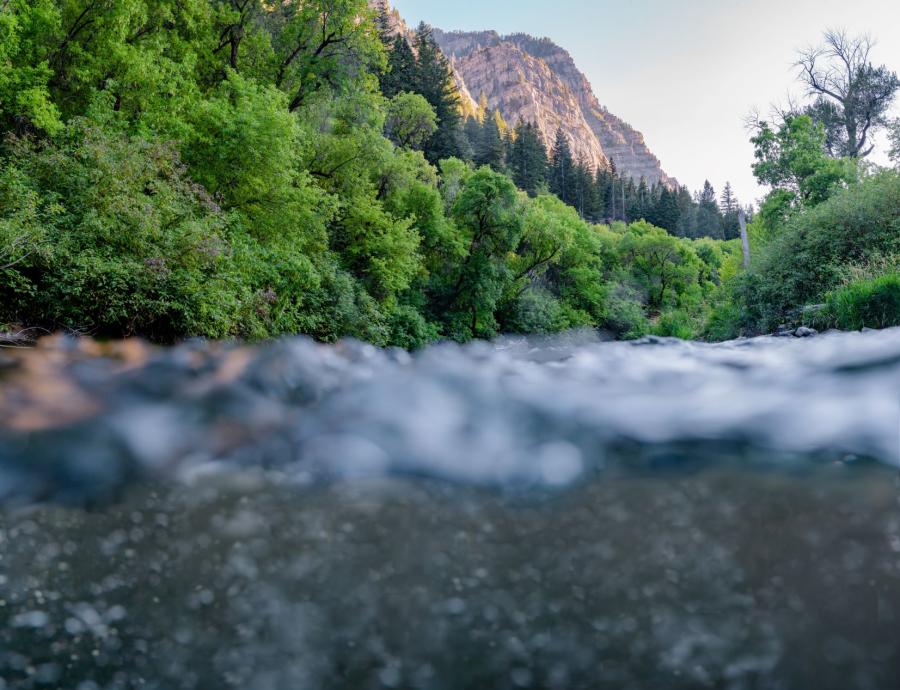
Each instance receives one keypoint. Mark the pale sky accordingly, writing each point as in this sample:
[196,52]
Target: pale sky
[686,73]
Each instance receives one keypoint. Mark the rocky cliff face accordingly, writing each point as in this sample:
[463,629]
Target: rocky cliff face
[537,81]
[397,25]
[534,80]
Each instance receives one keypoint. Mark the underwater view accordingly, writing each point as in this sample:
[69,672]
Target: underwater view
[533,513]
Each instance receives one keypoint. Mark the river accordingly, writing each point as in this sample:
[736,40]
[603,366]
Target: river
[530,513]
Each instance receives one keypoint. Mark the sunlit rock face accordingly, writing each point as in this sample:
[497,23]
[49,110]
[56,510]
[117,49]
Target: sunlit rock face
[534,80]
[561,513]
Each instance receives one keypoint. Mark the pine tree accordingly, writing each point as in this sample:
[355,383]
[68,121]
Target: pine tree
[642,199]
[582,179]
[632,205]
[731,227]
[528,159]
[482,110]
[384,22]
[666,211]
[472,133]
[729,202]
[434,80]
[561,168]
[509,141]
[707,198]
[490,148]
[402,72]
[602,180]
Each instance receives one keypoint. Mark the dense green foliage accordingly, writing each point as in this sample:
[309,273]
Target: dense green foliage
[868,303]
[826,241]
[234,168]
[602,195]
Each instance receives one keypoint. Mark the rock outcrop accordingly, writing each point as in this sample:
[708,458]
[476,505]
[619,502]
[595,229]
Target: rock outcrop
[535,80]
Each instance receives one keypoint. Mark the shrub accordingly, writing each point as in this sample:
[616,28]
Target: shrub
[626,319]
[410,330]
[808,259]
[872,303]
[535,311]
[676,324]
[724,322]
[128,243]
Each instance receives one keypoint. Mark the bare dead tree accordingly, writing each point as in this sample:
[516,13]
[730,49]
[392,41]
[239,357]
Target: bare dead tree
[852,96]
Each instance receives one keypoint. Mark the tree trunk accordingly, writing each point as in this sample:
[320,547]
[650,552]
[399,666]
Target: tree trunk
[745,238]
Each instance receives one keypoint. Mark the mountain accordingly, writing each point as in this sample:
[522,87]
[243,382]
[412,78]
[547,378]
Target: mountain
[535,80]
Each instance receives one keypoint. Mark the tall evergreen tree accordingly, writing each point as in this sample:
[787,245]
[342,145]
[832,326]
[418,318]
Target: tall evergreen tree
[728,201]
[434,80]
[666,211]
[528,159]
[731,228]
[561,168]
[402,71]
[707,198]
[490,147]
[582,187]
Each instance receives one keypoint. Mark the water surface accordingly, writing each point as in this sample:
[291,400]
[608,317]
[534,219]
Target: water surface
[559,513]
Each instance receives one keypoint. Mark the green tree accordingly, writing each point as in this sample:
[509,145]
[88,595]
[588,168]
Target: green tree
[486,213]
[245,148]
[662,266]
[561,170]
[435,82]
[27,29]
[792,161]
[128,243]
[853,96]
[409,121]
[490,148]
[323,43]
[402,72]
[666,212]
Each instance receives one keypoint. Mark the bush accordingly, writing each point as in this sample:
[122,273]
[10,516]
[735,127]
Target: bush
[808,259]
[676,324]
[626,319]
[127,244]
[410,330]
[535,311]
[873,303]
[725,322]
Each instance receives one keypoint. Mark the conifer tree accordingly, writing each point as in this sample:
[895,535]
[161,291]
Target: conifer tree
[490,148]
[582,179]
[729,203]
[707,198]
[561,168]
[434,80]
[528,159]
[666,211]
[731,228]
[402,72]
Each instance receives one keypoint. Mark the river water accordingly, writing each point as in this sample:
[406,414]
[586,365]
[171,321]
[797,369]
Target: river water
[557,513]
